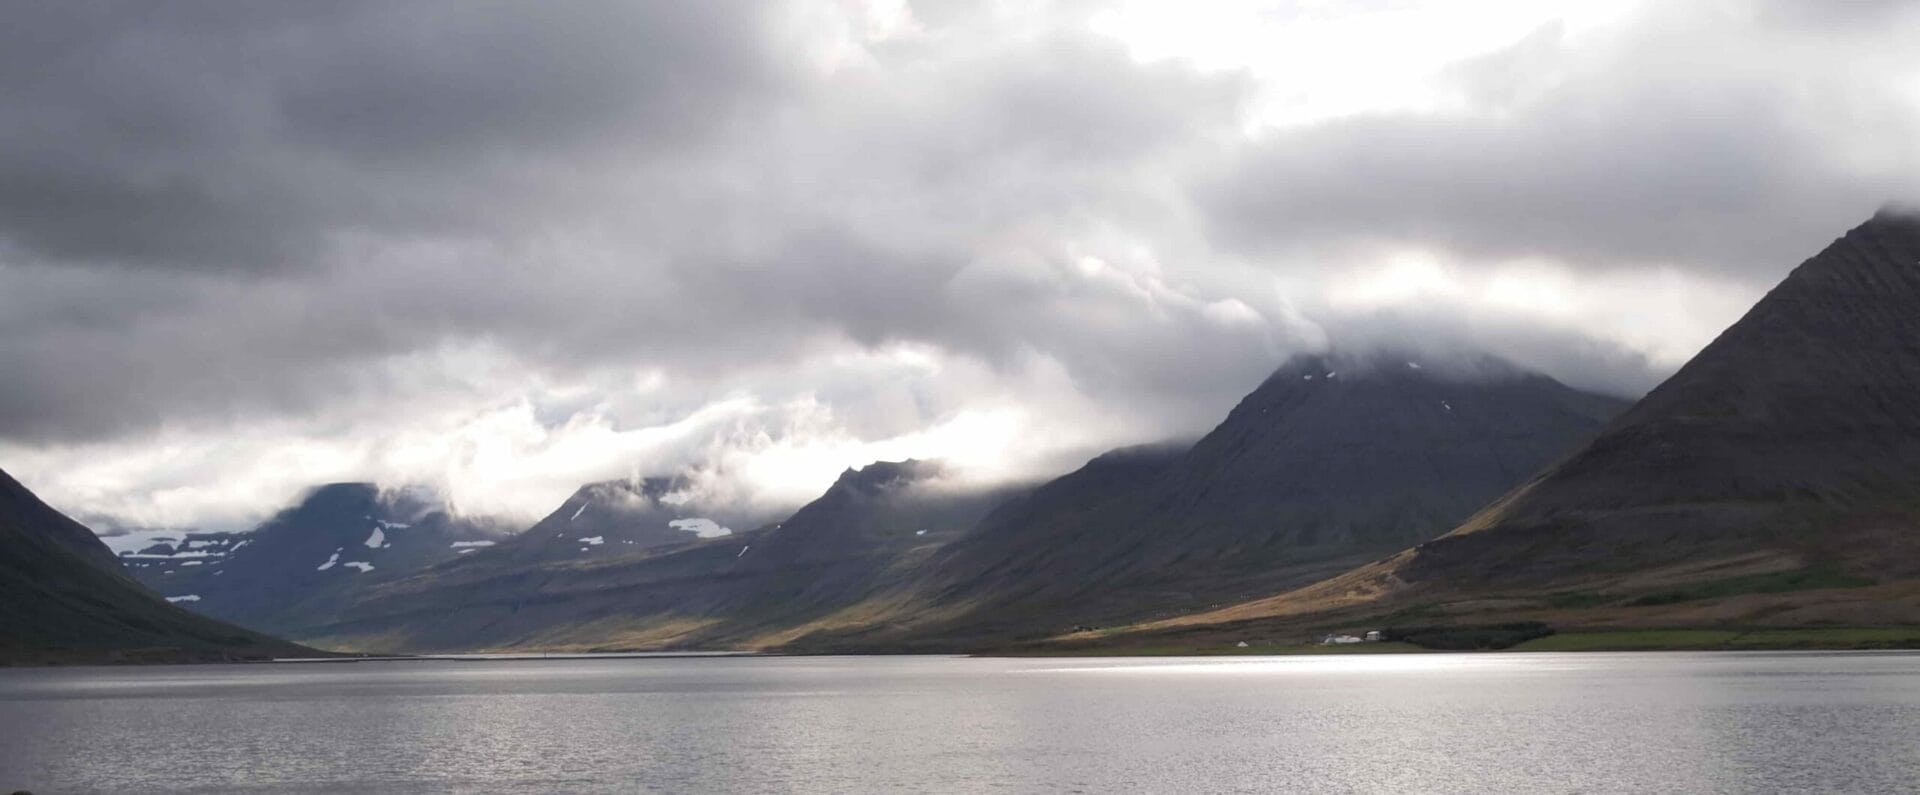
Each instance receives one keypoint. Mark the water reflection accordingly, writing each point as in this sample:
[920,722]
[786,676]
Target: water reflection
[1516,723]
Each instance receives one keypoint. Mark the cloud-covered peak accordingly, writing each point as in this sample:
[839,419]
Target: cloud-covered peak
[504,250]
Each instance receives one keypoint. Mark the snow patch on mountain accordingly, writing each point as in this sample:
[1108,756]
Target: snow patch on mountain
[140,539]
[174,556]
[700,527]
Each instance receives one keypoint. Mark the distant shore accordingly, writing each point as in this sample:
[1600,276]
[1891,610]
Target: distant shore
[1708,639]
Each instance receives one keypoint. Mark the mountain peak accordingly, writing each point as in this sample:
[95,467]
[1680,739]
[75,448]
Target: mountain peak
[342,490]
[1829,351]
[881,475]
[1397,364]
[652,491]
[1802,408]
[1896,212]
[331,498]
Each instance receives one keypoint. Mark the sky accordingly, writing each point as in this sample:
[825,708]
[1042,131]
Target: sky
[503,249]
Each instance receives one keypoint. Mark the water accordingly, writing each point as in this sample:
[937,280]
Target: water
[1674,722]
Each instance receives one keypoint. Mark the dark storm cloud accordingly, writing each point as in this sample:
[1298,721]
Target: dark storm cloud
[201,135]
[268,144]
[218,216]
[300,216]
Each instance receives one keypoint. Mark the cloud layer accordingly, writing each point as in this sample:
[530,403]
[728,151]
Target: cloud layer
[504,249]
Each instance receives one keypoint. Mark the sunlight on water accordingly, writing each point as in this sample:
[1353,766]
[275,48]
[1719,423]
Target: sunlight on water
[1311,664]
[1674,722]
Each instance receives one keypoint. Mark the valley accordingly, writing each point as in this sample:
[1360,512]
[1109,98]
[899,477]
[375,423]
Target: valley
[1766,495]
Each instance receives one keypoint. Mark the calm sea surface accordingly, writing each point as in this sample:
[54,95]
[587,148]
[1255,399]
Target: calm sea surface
[1674,722]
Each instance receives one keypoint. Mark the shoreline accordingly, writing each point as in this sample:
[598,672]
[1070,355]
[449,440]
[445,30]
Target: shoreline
[1773,639]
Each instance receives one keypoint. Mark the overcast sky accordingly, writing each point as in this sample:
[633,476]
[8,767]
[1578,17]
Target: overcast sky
[505,248]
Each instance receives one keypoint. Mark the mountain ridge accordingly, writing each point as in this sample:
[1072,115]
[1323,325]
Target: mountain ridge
[1774,479]
[733,591]
[1308,475]
[311,557]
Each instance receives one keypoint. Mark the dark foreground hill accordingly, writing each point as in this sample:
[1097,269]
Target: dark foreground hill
[63,598]
[1772,481]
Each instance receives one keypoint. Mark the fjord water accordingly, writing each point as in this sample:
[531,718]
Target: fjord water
[1669,722]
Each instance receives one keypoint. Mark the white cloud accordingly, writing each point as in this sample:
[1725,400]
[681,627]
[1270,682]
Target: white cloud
[1005,234]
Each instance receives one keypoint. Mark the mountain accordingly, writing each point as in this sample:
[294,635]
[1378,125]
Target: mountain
[751,589]
[1799,418]
[884,506]
[63,598]
[871,533]
[620,518]
[310,559]
[1334,459]
[1774,480]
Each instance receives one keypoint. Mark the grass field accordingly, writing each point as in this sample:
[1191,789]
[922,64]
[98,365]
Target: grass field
[1831,638]
[1728,639]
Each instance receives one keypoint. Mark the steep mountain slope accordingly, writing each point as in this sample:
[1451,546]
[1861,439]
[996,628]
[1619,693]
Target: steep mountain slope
[309,559]
[739,590]
[1773,480]
[1806,409]
[63,599]
[1332,460]
[883,506]
[618,518]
